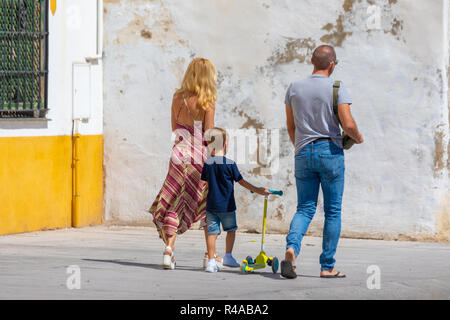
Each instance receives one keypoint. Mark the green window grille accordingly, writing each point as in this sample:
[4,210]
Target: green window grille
[23,58]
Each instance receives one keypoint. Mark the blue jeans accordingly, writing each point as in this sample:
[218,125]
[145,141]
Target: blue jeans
[318,163]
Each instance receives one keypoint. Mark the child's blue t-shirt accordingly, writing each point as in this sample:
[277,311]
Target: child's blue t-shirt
[220,173]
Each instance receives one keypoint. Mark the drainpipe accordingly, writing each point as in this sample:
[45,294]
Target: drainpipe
[75,171]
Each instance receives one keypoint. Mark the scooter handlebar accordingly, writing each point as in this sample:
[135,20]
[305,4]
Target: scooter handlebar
[276,192]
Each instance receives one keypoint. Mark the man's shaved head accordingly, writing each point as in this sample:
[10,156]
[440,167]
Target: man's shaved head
[322,57]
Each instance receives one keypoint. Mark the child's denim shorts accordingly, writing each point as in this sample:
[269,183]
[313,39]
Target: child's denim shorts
[213,221]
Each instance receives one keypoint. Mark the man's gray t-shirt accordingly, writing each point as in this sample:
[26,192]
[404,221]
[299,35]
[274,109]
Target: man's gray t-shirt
[311,100]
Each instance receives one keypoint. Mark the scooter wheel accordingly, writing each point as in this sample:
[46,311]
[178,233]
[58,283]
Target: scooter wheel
[250,260]
[243,268]
[275,265]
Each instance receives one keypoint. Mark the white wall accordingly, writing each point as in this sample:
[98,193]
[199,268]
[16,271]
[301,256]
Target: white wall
[394,66]
[72,37]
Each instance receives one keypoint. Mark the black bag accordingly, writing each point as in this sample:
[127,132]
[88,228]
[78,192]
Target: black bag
[347,142]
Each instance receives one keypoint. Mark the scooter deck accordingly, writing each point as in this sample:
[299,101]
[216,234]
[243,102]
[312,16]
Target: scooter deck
[260,262]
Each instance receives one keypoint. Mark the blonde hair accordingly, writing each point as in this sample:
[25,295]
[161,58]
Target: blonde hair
[216,139]
[200,79]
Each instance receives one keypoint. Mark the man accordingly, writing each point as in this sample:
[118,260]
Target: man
[319,158]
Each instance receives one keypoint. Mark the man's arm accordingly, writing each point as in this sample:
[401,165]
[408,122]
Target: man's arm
[348,124]
[290,124]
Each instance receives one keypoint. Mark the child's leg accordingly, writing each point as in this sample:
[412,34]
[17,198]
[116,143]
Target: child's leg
[229,260]
[213,227]
[205,229]
[230,226]
[205,258]
[211,245]
[229,242]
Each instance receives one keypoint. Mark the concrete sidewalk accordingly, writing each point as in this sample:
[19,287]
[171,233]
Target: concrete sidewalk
[125,263]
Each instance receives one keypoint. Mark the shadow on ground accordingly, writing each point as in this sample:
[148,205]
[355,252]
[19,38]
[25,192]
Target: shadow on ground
[270,275]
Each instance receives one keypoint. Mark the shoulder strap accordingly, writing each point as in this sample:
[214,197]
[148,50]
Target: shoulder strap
[189,110]
[336,86]
[347,142]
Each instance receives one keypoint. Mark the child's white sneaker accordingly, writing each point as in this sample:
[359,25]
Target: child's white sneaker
[211,266]
[219,261]
[229,261]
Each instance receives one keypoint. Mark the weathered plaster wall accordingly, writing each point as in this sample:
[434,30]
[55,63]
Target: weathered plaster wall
[395,65]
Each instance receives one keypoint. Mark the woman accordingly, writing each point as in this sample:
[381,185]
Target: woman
[182,199]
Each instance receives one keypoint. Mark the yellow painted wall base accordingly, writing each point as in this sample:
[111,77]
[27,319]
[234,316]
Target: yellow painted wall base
[36,183]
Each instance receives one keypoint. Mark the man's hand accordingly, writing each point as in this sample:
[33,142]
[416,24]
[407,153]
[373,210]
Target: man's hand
[360,140]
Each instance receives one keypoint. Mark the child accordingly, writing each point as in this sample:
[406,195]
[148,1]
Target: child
[220,173]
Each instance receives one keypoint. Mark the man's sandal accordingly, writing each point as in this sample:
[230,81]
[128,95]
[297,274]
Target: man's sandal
[337,275]
[168,259]
[288,270]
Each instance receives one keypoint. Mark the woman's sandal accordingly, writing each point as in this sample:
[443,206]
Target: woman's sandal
[337,275]
[288,270]
[168,260]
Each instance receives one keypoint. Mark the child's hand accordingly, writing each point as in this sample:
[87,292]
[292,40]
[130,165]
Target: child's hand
[263,191]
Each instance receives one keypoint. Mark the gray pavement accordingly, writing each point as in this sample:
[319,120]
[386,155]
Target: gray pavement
[125,263]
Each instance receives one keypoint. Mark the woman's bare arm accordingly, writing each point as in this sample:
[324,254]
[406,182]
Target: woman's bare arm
[209,117]
[173,119]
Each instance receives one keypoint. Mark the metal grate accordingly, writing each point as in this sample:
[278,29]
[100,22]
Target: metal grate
[23,58]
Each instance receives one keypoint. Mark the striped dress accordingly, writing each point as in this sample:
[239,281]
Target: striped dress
[182,199]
